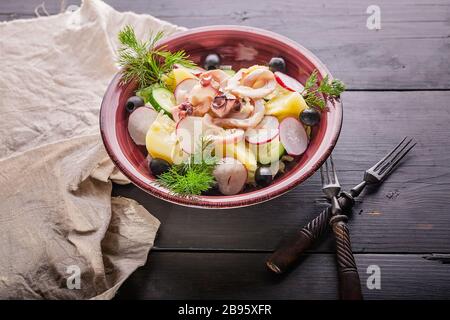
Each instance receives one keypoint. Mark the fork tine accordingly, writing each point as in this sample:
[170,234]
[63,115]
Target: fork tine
[379,163]
[328,173]
[394,157]
[393,164]
[322,177]
[325,174]
[327,167]
[333,171]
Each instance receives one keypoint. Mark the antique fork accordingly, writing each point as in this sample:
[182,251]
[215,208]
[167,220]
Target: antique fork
[349,283]
[290,250]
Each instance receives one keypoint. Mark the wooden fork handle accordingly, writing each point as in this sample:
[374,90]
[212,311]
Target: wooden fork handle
[349,282]
[290,250]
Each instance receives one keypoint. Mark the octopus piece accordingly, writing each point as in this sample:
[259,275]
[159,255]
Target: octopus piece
[219,135]
[250,122]
[222,105]
[182,110]
[215,78]
[201,98]
[255,84]
[243,112]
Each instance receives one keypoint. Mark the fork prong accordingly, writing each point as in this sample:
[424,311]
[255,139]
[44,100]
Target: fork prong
[336,181]
[379,163]
[325,174]
[393,157]
[385,172]
[322,177]
[327,168]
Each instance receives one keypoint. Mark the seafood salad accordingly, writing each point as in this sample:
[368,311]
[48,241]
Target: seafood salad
[212,129]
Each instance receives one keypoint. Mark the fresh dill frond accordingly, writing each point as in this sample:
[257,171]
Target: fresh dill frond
[141,61]
[332,89]
[313,99]
[316,95]
[187,180]
[194,176]
[311,82]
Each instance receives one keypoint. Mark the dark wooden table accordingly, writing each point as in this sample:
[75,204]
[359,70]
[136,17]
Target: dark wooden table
[399,84]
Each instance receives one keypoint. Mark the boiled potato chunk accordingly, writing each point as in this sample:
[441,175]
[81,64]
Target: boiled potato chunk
[161,141]
[176,76]
[290,104]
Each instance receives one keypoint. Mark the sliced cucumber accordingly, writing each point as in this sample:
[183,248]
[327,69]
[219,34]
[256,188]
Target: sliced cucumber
[145,93]
[269,152]
[281,151]
[162,99]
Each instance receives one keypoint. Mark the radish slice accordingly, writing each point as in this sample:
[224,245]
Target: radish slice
[231,176]
[288,82]
[264,132]
[183,88]
[139,122]
[293,136]
[189,131]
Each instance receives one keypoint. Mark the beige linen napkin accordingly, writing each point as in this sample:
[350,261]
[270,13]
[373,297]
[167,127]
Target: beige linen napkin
[57,216]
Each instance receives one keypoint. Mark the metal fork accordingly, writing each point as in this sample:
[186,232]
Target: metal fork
[349,283]
[330,182]
[380,170]
[289,253]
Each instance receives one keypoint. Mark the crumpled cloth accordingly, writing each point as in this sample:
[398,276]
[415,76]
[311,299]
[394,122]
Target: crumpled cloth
[62,236]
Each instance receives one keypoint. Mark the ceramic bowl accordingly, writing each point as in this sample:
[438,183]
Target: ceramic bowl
[240,47]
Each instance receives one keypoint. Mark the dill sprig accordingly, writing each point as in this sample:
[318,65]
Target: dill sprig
[316,95]
[193,176]
[141,61]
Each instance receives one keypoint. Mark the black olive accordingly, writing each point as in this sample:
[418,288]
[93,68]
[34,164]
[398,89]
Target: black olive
[133,103]
[212,61]
[277,64]
[159,166]
[310,116]
[263,176]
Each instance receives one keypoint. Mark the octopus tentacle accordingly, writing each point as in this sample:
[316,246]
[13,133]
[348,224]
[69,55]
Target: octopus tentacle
[250,122]
[257,84]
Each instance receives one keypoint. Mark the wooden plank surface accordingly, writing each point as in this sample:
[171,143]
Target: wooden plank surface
[408,213]
[243,276]
[220,254]
[411,51]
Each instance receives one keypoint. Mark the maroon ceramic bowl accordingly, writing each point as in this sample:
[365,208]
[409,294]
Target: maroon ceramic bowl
[240,47]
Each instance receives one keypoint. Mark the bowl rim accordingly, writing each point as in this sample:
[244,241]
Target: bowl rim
[239,200]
